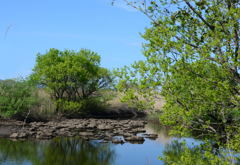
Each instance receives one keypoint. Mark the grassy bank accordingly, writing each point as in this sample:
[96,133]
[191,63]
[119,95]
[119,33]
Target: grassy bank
[46,108]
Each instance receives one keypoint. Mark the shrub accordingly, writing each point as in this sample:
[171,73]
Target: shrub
[15,97]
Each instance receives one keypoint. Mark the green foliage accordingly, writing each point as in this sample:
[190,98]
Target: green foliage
[70,72]
[199,81]
[16,97]
[193,55]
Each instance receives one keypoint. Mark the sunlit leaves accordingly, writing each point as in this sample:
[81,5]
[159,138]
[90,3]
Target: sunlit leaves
[194,60]
[63,71]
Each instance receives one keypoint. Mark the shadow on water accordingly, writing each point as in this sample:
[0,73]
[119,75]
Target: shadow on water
[59,151]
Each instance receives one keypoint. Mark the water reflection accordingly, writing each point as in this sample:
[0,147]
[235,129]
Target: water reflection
[77,151]
[162,131]
[174,150]
[56,151]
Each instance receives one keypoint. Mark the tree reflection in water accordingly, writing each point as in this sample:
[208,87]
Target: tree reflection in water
[175,150]
[56,151]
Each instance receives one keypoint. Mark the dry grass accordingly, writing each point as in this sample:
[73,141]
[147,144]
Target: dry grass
[115,103]
[47,104]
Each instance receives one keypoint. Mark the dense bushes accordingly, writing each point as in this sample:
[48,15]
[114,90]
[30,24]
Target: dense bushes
[15,97]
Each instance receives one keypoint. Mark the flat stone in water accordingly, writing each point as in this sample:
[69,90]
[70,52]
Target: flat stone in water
[134,138]
[86,134]
[127,135]
[116,141]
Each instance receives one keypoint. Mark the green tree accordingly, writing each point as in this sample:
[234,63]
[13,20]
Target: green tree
[193,55]
[79,75]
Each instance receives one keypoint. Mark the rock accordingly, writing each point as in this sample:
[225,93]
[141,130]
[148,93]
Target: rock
[153,135]
[90,130]
[91,126]
[134,138]
[139,130]
[109,134]
[64,129]
[127,135]
[41,136]
[126,126]
[32,129]
[39,132]
[71,134]
[135,142]
[104,127]
[137,125]
[116,141]
[80,126]
[133,132]
[22,135]
[120,133]
[53,128]
[14,135]
[32,133]
[49,134]
[86,134]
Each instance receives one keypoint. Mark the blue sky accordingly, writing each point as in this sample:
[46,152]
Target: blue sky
[110,31]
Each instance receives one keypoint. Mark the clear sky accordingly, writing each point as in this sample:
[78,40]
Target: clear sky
[110,31]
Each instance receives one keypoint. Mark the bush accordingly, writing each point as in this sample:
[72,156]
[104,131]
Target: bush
[15,97]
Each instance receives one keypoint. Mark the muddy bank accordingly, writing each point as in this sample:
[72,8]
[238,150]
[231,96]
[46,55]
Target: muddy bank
[88,129]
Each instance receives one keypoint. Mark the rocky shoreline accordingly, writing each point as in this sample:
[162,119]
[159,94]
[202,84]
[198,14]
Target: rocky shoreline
[88,129]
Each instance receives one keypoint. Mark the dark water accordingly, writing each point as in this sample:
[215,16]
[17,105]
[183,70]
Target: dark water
[75,151]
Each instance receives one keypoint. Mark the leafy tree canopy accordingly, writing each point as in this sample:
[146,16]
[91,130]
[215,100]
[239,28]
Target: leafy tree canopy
[193,55]
[77,73]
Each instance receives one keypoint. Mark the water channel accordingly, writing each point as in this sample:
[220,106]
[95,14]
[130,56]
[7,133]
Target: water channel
[76,151]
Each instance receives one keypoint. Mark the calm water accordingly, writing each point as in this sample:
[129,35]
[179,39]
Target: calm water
[75,151]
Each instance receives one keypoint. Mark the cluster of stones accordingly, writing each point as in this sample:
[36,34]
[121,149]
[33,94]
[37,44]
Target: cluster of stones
[88,129]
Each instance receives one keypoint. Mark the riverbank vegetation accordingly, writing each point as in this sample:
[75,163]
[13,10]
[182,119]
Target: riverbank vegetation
[192,54]
[44,109]
[64,83]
